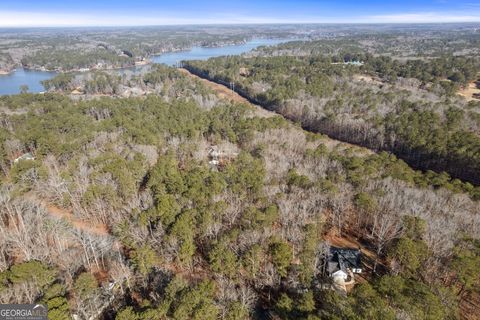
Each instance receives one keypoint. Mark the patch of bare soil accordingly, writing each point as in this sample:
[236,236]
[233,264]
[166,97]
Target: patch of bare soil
[471,92]
[142,63]
[222,91]
[340,146]
[366,78]
[470,306]
[60,213]
[89,227]
[77,91]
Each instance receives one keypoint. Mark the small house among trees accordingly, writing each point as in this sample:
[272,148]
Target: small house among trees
[127,53]
[25,156]
[344,260]
[354,63]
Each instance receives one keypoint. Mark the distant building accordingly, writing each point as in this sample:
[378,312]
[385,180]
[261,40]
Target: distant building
[25,156]
[354,63]
[214,162]
[214,155]
[127,53]
[343,260]
[218,158]
[350,63]
[244,72]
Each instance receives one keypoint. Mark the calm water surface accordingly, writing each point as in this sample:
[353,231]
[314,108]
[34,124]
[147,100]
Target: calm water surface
[10,84]
[200,53]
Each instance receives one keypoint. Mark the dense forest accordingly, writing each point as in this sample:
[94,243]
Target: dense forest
[408,107]
[66,60]
[121,211]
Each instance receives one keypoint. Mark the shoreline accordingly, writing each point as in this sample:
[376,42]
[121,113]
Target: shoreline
[6,73]
[147,60]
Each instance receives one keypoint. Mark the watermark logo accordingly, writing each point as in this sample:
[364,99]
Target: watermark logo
[23,312]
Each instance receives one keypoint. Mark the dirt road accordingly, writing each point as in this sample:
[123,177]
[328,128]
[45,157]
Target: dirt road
[225,93]
[60,213]
[220,90]
[86,226]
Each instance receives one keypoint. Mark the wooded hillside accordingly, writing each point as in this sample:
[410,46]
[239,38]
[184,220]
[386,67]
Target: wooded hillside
[123,212]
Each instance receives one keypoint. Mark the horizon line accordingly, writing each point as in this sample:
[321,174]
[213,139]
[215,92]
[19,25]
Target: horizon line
[236,24]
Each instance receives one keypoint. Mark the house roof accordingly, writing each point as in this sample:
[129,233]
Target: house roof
[355,63]
[343,259]
[25,156]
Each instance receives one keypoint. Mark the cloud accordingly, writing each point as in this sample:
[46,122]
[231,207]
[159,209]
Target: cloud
[425,17]
[101,19]
[38,19]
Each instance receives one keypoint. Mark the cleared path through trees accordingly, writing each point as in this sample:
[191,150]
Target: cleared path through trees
[54,211]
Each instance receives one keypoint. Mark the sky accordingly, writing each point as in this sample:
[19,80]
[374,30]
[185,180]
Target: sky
[51,13]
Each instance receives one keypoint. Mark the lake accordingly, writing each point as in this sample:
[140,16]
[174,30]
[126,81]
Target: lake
[10,84]
[201,53]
